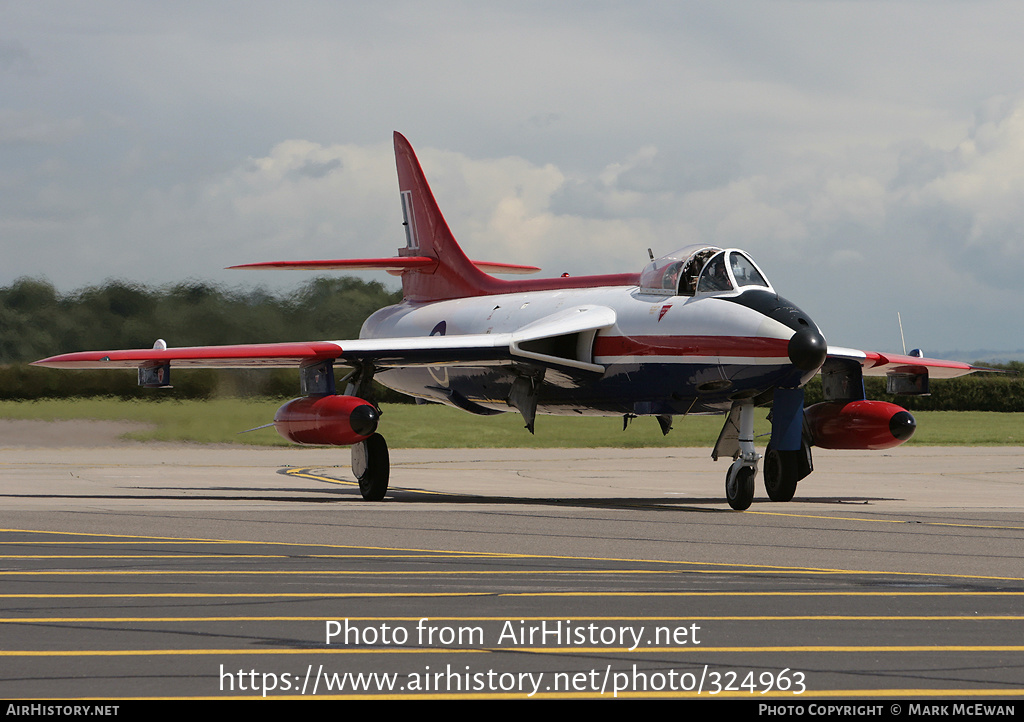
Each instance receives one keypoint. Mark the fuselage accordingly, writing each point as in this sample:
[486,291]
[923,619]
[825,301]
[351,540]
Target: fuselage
[662,355]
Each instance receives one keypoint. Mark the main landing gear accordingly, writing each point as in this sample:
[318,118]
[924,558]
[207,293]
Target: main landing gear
[371,465]
[781,473]
[371,462]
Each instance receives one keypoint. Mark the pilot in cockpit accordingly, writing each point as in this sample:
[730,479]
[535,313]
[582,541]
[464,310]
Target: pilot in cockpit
[715,277]
[697,269]
[694,265]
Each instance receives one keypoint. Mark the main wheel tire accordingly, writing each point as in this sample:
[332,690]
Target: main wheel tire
[739,487]
[371,465]
[781,473]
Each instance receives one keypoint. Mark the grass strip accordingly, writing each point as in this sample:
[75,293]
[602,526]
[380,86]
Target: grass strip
[433,426]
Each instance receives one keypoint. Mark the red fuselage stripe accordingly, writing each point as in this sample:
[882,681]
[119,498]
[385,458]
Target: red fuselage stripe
[743,346]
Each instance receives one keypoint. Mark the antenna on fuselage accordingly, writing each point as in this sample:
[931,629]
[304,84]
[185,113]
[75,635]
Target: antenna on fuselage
[902,340]
[650,253]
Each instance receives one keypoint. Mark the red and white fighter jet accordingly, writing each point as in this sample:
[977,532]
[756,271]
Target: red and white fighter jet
[700,330]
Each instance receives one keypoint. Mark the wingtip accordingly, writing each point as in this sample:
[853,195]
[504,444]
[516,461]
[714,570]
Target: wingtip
[989,370]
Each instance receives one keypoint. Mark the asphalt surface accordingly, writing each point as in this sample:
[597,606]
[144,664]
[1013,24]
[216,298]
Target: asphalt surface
[152,571]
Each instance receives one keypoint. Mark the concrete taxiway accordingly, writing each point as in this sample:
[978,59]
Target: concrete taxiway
[151,570]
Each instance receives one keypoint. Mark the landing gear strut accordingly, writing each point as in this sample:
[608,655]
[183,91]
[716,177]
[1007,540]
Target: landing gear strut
[371,465]
[739,482]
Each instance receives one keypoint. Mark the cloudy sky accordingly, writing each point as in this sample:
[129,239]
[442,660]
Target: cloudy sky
[869,155]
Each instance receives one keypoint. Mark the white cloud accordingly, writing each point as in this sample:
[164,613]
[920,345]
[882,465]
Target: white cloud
[978,187]
[153,143]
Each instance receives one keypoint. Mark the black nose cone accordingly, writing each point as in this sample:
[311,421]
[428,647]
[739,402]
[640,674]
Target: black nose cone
[808,349]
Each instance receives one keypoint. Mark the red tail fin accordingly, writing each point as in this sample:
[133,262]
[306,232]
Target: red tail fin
[427,234]
[432,265]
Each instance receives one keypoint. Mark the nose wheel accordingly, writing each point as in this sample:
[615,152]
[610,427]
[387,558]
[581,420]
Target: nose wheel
[739,484]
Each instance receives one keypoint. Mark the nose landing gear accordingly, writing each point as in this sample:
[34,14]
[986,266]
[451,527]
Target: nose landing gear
[739,482]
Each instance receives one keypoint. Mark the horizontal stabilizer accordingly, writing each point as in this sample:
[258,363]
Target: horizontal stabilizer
[394,265]
[407,263]
[513,268]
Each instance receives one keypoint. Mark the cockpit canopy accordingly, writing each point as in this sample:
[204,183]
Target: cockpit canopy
[699,269]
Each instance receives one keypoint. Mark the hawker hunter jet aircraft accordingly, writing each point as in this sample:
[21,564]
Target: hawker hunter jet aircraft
[698,331]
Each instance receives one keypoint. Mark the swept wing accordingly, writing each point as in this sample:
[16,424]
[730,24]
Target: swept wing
[525,344]
[873,363]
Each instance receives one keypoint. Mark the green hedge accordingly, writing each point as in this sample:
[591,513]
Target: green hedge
[977,392]
[36,321]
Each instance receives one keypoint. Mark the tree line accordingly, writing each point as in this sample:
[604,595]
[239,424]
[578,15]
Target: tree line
[38,321]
